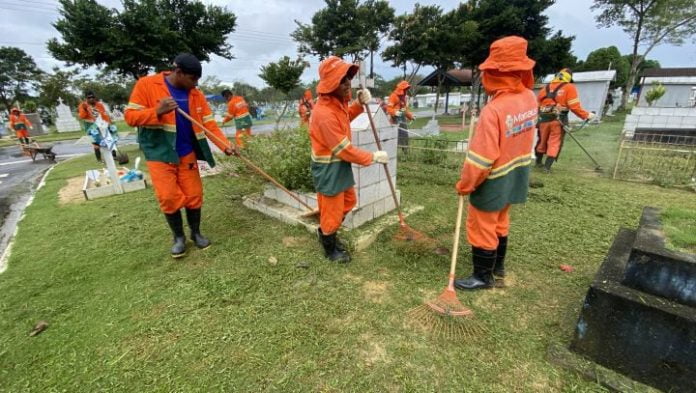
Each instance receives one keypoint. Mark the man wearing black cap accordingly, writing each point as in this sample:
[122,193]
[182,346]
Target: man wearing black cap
[172,145]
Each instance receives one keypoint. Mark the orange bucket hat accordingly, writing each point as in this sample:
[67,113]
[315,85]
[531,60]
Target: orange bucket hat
[508,54]
[331,71]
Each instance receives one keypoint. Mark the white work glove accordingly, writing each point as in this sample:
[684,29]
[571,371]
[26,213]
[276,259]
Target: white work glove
[413,117]
[364,96]
[399,113]
[591,116]
[380,156]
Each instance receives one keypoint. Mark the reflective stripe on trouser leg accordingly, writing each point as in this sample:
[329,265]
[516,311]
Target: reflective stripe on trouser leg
[333,208]
[177,185]
[483,228]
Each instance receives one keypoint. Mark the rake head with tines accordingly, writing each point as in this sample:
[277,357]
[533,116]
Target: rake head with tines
[446,315]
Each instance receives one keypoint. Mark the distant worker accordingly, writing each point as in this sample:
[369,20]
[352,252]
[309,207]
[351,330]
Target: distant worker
[88,111]
[172,144]
[495,173]
[397,109]
[333,153]
[305,107]
[555,101]
[21,125]
[238,110]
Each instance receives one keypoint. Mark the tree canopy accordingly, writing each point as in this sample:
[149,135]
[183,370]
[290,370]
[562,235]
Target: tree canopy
[283,76]
[146,34]
[649,23]
[606,58]
[345,27]
[18,73]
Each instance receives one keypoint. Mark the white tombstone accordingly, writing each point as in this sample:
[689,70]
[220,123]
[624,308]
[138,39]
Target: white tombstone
[65,121]
[116,115]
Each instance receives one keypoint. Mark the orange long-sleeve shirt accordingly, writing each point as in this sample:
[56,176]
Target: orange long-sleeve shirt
[237,108]
[566,99]
[88,112]
[18,121]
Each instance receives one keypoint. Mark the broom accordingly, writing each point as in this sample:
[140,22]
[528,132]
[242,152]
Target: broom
[250,164]
[446,315]
[405,233]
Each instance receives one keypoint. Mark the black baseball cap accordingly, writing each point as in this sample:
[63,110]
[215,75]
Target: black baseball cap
[189,64]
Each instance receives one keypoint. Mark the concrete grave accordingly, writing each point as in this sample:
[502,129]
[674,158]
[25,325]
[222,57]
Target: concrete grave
[65,121]
[639,315]
[37,127]
[371,184]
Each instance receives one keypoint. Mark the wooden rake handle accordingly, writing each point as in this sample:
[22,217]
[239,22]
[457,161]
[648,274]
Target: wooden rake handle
[246,161]
[455,246]
[402,222]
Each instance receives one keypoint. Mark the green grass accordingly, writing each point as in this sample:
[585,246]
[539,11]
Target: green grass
[53,135]
[680,227]
[125,317]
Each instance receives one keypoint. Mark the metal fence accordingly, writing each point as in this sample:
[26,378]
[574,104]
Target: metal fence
[668,160]
[444,153]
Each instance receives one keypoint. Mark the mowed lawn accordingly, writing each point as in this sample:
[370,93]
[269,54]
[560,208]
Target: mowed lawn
[124,317]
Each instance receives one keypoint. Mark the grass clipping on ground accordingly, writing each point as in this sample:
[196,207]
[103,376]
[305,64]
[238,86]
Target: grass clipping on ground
[262,310]
[679,225]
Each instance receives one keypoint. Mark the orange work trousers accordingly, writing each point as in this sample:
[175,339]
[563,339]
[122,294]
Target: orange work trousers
[22,134]
[177,185]
[333,208]
[550,138]
[483,228]
[241,135]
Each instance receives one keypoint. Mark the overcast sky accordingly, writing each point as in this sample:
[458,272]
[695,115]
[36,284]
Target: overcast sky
[263,30]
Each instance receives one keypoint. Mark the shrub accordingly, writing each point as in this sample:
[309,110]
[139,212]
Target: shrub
[655,93]
[286,156]
[29,107]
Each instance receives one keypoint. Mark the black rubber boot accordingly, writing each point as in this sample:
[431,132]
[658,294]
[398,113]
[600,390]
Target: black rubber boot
[97,153]
[539,159]
[499,269]
[193,216]
[549,162]
[176,224]
[482,278]
[331,251]
[339,244]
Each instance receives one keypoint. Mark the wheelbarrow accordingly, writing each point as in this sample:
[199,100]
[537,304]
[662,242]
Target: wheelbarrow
[33,149]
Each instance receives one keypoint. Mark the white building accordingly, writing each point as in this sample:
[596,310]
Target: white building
[679,83]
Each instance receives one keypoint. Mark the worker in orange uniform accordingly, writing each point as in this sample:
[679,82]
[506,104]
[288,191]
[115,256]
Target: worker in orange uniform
[333,153]
[88,111]
[238,110]
[305,107]
[172,144]
[555,101]
[495,173]
[397,109]
[21,125]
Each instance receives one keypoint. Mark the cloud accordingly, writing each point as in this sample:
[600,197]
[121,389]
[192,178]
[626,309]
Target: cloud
[264,27]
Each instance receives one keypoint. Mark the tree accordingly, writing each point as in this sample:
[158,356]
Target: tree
[18,73]
[427,36]
[58,84]
[604,59]
[345,27]
[110,87]
[210,84]
[649,23]
[495,19]
[146,34]
[283,76]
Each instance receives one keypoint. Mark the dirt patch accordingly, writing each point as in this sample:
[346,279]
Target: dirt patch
[375,291]
[292,241]
[373,351]
[72,192]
